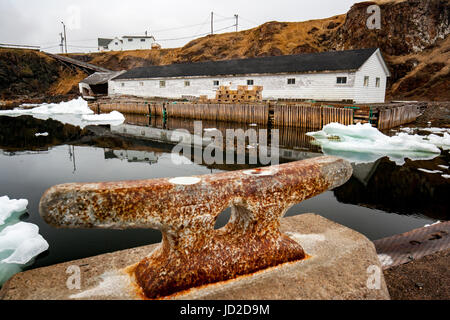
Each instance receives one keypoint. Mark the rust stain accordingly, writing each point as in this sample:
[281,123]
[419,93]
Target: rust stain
[193,253]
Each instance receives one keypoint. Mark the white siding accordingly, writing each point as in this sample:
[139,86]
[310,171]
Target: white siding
[373,68]
[307,86]
[115,45]
[137,43]
[144,43]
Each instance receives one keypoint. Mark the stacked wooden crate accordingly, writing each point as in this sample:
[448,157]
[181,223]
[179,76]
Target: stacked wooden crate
[242,95]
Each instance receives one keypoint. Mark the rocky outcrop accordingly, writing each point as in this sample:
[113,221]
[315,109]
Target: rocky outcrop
[406,27]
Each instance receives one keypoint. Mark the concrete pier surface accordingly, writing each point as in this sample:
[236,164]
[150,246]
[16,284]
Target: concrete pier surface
[342,264]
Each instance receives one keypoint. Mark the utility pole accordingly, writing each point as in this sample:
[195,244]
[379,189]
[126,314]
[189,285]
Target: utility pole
[237,22]
[65,37]
[62,42]
[212,23]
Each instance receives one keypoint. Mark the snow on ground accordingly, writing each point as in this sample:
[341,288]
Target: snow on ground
[20,242]
[361,143]
[446,176]
[75,112]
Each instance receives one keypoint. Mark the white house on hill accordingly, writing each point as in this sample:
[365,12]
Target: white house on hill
[126,43]
[358,76]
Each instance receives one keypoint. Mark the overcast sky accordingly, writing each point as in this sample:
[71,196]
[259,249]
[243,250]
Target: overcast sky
[39,22]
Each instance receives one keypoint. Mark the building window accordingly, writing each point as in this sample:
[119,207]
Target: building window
[250,82]
[341,80]
[142,40]
[130,40]
[117,43]
[187,83]
[378,82]
[141,84]
[366,81]
[216,83]
[162,84]
[291,81]
[123,84]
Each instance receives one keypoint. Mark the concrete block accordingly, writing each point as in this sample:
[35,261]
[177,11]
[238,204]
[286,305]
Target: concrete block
[342,265]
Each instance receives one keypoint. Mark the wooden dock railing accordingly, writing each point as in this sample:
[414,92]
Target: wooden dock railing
[308,116]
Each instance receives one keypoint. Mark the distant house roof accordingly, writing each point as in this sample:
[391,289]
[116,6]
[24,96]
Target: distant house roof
[350,60]
[138,37]
[102,42]
[101,77]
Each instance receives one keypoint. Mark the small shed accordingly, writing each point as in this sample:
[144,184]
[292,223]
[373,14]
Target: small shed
[97,84]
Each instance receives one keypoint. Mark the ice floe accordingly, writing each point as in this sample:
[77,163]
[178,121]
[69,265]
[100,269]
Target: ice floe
[430,171]
[10,207]
[75,112]
[433,224]
[20,242]
[362,143]
[110,118]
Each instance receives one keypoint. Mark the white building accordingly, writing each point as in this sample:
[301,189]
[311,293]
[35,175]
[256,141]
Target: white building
[359,76]
[126,43]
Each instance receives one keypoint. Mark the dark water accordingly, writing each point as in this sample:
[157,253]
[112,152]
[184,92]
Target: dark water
[382,199]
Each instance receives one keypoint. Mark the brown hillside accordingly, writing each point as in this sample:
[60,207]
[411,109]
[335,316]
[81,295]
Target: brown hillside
[413,39]
[28,74]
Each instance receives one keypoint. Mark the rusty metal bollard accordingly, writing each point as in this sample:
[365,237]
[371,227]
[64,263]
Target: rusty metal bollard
[185,210]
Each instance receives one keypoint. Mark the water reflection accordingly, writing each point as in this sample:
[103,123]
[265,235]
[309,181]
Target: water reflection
[381,199]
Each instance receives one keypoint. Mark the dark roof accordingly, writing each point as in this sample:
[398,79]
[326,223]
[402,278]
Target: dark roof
[101,77]
[102,42]
[139,37]
[301,63]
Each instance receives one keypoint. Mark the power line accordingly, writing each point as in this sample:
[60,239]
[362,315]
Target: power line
[188,26]
[194,36]
[252,22]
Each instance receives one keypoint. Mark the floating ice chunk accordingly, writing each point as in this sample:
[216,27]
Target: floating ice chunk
[25,242]
[8,208]
[76,106]
[114,117]
[433,224]
[44,134]
[75,112]
[442,142]
[436,130]
[20,242]
[407,130]
[430,171]
[363,143]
